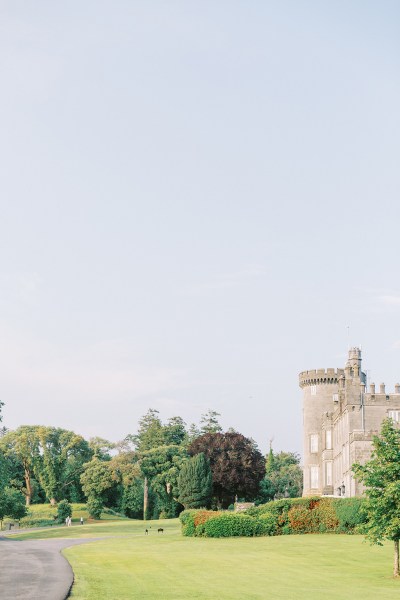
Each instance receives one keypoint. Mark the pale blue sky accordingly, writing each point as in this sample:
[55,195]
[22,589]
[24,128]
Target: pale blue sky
[197,198]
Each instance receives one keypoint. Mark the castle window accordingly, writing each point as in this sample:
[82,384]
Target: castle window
[395,415]
[328,439]
[314,477]
[329,473]
[335,397]
[313,390]
[314,442]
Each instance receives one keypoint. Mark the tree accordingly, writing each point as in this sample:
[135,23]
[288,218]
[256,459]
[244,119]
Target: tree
[209,422]
[195,482]
[62,456]
[381,477]
[12,504]
[3,430]
[237,465]
[132,498]
[150,433]
[193,432]
[96,479]
[23,445]
[161,467]
[283,478]
[52,456]
[101,447]
[157,446]
[175,431]
[64,510]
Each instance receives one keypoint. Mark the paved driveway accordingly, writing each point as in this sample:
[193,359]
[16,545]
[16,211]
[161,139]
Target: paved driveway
[35,569]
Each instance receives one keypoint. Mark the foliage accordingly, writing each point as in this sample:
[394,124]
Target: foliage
[62,456]
[283,478]
[101,448]
[232,525]
[236,464]
[195,482]
[270,523]
[302,520]
[315,514]
[52,456]
[225,524]
[95,507]
[350,513]
[22,445]
[12,504]
[381,477]
[209,422]
[187,520]
[96,479]
[64,510]
[150,432]
[162,466]
[132,498]
[175,432]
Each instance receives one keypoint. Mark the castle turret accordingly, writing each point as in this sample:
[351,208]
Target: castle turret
[320,397]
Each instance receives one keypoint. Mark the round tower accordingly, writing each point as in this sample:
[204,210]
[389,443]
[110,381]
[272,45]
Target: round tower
[320,398]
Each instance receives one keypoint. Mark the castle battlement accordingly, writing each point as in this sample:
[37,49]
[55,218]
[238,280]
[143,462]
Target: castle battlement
[320,376]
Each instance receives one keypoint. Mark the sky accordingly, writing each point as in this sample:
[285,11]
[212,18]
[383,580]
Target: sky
[198,200]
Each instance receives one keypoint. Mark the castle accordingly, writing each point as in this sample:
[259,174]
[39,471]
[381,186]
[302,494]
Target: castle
[340,419]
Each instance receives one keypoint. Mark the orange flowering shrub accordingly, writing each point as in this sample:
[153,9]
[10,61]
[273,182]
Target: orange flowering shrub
[202,516]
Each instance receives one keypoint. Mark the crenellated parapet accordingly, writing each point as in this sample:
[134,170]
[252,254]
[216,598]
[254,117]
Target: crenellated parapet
[320,376]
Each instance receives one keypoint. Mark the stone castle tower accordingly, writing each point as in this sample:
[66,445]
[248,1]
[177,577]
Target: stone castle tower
[339,421]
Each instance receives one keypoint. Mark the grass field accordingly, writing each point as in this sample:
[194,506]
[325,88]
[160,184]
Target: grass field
[129,565]
[44,514]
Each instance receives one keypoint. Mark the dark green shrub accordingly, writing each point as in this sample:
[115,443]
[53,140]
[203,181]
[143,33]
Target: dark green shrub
[64,510]
[269,522]
[187,519]
[350,514]
[95,507]
[232,525]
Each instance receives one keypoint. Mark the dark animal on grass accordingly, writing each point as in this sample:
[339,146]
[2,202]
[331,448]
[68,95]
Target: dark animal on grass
[146,532]
[160,530]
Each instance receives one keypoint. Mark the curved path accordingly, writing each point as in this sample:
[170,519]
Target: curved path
[35,569]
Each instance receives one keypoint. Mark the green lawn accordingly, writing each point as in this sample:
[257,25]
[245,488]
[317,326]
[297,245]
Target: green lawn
[170,567]
[39,514]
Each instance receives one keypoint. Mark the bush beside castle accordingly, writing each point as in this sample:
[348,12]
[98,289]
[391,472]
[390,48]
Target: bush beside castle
[280,517]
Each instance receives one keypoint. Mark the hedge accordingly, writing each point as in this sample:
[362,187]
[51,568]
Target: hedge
[208,523]
[280,517]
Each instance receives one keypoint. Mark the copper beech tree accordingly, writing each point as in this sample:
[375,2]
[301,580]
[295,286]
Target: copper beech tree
[237,466]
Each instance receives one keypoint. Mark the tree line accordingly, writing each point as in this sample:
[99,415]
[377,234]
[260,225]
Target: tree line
[156,472]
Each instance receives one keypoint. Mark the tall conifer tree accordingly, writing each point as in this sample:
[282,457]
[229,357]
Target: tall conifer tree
[195,482]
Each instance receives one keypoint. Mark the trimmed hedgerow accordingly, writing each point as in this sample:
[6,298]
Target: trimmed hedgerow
[281,517]
[187,519]
[234,525]
[270,523]
[350,513]
[315,514]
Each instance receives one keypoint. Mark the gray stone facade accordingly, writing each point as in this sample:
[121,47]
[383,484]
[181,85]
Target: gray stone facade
[340,418]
